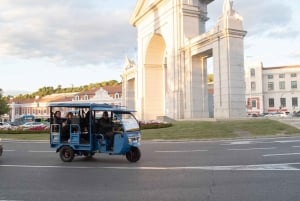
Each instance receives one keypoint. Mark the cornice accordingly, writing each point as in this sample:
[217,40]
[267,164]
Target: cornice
[209,37]
[141,10]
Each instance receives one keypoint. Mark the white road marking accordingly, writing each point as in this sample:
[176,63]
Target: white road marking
[239,142]
[11,200]
[246,143]
[259,167]
[249,149]
[7,150]
[287,141]
[181,151]
[285,154]
[41,151]
[296,146]
[259,142]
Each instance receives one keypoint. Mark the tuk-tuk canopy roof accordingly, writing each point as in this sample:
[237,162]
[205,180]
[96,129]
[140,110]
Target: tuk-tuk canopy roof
[92,106]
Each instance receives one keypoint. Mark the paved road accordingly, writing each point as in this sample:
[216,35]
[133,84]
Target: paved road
[255,169]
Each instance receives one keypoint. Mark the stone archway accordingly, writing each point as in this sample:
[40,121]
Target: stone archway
[154,79]
[171,74]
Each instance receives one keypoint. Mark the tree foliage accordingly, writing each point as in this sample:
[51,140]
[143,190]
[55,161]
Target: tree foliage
[48,90]
[4,108]
[210,78]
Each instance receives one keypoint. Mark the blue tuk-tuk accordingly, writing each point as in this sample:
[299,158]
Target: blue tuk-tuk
[83,134]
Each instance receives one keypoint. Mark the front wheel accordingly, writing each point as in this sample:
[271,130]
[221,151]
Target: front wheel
[66,154]
[133,155]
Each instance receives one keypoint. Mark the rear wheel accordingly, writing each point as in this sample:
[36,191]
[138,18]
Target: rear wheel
[133,155]
[66,154]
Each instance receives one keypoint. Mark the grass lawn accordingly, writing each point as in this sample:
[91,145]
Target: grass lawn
[200,130]
[220,129]
[29,136]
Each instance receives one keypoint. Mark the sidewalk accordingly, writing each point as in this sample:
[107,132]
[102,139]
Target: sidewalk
[293,121]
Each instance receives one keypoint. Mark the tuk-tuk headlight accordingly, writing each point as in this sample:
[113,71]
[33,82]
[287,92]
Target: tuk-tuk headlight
[134,140]
[130,140]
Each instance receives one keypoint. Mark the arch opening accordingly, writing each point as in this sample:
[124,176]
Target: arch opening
[154,78]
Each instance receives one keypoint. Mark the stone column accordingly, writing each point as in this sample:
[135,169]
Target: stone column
[229,89]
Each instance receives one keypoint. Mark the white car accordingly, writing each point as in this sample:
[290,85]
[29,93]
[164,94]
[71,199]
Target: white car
[277,114]
[32,125]
[4,125]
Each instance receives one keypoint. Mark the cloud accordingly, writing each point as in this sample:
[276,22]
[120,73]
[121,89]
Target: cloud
[294,55]
[283,32]
[72,32]
[267,18]
[97,32]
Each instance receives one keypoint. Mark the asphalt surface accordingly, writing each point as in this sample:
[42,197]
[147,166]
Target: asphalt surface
[229,170]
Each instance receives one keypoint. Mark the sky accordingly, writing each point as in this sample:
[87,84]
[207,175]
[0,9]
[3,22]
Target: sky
[76,42]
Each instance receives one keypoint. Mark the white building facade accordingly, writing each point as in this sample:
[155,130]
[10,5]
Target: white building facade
[39,107]
[272,89]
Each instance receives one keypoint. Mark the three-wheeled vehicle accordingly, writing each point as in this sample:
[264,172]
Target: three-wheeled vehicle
[84,135]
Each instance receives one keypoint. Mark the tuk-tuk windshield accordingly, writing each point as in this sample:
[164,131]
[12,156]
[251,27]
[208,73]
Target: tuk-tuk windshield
[128,121]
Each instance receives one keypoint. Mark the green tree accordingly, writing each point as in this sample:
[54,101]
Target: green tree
[210,78]
[4,108]
[48,90]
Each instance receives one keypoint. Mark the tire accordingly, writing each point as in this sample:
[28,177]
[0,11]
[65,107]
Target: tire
[133,155]
[66,154]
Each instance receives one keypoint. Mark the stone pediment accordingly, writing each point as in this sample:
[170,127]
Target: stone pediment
[102,94]
[142,8]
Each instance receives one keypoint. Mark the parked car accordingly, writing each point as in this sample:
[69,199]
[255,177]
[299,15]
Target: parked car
[296,114]
[29,125]
[277,114]
[4,125]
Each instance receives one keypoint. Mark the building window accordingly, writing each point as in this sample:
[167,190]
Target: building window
[117,95]
[252,72]
[282,102]
[253,86]
[281,75]
[86,97]
[271,102]
[294,101]
[282,85]
[253,102]
[293,74]
[294,84]
[270,86]
[76,98]
[270,76]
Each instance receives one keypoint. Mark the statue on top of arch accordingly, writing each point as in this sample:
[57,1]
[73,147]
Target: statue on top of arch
[229,11]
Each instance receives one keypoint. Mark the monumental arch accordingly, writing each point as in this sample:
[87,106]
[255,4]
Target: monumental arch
[170,77]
